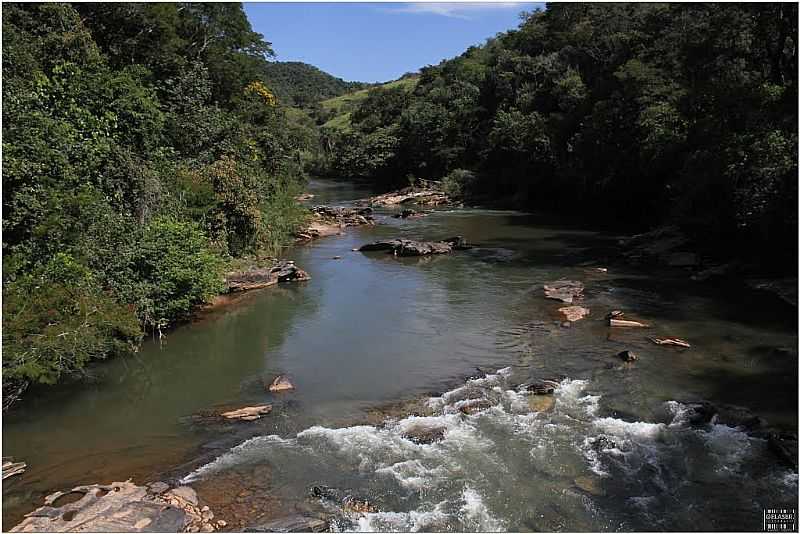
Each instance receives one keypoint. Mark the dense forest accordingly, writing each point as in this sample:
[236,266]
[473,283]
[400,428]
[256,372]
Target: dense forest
[147,148]
[303,85]
[143,152]
[636,114]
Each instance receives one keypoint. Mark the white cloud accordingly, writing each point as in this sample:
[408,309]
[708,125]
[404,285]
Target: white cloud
[459,10]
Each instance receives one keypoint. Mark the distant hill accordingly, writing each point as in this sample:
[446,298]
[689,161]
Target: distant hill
[303,85]
[337,110]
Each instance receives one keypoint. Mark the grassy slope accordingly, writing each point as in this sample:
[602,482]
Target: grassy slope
[343,105]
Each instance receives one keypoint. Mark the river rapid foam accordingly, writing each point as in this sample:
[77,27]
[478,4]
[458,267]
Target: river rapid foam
[511,467]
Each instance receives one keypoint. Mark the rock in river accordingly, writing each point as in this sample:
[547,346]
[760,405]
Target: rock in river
[255,278]
[574,313]
[541,387]
[248,413]
[564,290]
[670,341]
[328,221]
[281,383]
[626,323]
[541,403]
[408,247]
[11,468]
[628,356]
[423,435]
[292,523]
[426,194]
[117,507]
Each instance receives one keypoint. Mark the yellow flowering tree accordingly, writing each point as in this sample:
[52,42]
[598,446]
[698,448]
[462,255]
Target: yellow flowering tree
[258,88]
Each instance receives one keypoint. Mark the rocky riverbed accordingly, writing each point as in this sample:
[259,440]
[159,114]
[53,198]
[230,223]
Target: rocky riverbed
[570,422]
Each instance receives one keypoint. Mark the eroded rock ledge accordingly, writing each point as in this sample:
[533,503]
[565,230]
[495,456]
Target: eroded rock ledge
[256,278]
[408,247]
[328,221]
[428,194]
[121,507]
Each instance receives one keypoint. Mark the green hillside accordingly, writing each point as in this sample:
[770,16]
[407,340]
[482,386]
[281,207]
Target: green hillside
[342,106]
[300,84]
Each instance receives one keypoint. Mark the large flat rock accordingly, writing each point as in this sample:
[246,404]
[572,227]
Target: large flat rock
[117,507]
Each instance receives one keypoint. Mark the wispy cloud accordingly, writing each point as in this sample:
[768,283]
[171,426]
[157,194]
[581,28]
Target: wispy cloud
[458,10]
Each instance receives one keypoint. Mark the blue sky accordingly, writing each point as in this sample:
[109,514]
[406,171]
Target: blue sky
[376,42]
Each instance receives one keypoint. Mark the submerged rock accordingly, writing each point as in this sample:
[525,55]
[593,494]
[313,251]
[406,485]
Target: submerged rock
[541,403]
[590,484]
[474,406]
[406,213]
[784,288]
[345,501]
[785,448]
[424,435]
[602,442]
[118,507]
[541,387]
[256,278]
[564,290]
[700,413]
[292,523]
[281,383]
[408,247]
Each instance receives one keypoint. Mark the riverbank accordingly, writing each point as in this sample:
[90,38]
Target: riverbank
[374,329]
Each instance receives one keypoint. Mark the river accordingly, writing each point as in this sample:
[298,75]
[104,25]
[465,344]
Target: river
[370,331]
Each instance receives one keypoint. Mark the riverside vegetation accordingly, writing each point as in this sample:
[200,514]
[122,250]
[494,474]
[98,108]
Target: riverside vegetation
[145,150]
[635,114]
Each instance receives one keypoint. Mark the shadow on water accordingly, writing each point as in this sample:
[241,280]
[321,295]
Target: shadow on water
[370,330]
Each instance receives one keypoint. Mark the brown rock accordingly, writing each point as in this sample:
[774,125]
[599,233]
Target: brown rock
[541,387]
[541,403]
[474,406]
[670,341]
[564,290]
[256,278]
[281,383]
[574,313]
[626,324]
[11,468]
[248,413]
[116,507]
[292,523]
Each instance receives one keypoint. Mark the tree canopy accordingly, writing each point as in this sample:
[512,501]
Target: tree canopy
[143,150]
[641,114]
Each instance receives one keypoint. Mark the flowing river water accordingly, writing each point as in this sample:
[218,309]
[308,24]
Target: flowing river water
[377,345]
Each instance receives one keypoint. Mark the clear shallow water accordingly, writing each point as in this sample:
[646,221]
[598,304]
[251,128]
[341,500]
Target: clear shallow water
[370,329]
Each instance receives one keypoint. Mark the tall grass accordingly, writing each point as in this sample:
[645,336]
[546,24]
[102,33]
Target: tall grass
[282,217]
